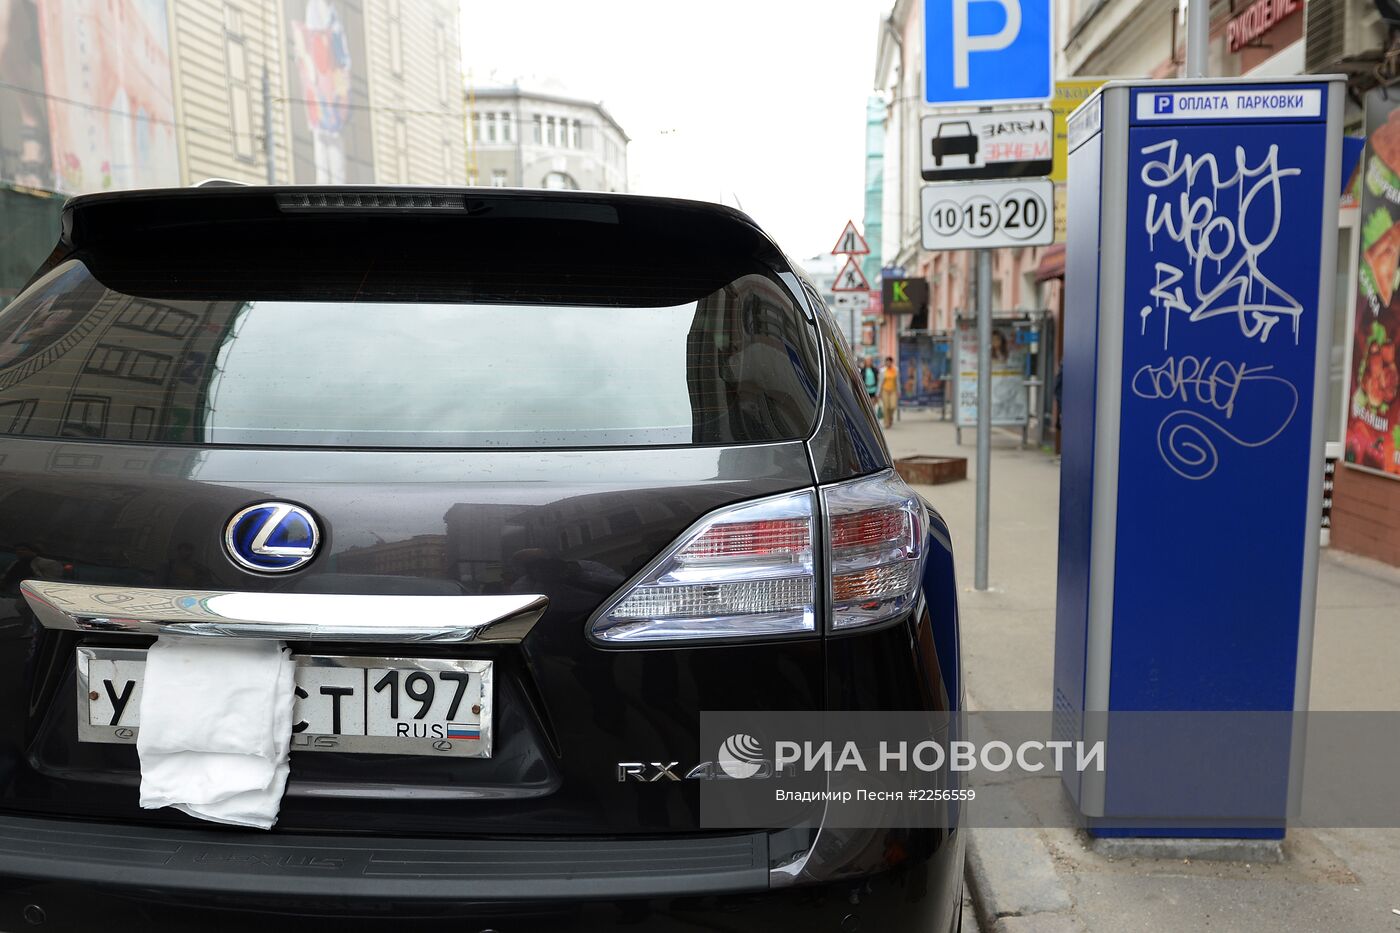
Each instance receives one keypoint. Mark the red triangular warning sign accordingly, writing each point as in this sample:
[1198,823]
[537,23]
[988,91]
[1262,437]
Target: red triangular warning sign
[850,278]
[851,242]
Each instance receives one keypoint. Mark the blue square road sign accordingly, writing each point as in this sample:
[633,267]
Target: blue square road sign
[987,51]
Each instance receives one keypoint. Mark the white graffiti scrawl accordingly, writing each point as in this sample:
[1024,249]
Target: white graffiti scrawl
[1226,220]
[1224,248]
[1185,436]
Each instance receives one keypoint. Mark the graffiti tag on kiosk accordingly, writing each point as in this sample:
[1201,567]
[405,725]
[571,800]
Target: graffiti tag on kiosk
[1226,217]
[1224,248]
[1186,437]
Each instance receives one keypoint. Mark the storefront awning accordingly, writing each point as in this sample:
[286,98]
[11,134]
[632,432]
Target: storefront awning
[1052,263]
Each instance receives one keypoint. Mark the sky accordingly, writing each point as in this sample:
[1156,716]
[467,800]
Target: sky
[758,104]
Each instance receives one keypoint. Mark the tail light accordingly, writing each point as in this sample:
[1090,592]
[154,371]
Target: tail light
[744,570]
[747,570]
[875,549]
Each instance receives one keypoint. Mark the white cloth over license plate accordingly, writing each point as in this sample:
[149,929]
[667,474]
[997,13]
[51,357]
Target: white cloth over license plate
[216,727]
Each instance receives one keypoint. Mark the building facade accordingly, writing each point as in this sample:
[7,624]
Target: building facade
[128,94]
[415,91]
[167,93]
[526,139]
[874,186]
[220,52]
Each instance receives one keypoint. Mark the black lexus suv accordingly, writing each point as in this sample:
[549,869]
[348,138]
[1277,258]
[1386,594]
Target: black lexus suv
[533,479]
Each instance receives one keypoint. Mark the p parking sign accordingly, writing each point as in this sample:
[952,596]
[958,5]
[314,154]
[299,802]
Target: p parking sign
[987,51]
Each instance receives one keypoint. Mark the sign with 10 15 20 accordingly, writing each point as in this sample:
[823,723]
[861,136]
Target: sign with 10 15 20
[988,214]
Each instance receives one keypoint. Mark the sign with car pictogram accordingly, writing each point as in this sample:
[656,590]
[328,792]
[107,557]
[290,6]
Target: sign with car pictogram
[988,214]
[1011,144]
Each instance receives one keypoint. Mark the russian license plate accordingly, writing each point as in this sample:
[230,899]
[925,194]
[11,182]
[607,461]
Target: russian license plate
[396,706]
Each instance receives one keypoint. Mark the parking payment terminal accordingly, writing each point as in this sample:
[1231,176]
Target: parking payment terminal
[1202,221]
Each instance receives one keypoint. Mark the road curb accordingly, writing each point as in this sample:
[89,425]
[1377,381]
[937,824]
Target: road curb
[976,886]
[1011,877]
[1010,873]
[1257,851]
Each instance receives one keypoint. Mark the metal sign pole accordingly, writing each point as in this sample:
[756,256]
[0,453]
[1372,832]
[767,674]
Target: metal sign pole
[984,412]
[1197,38]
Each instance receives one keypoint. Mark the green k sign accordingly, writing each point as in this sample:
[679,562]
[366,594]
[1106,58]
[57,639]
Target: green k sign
[904,296]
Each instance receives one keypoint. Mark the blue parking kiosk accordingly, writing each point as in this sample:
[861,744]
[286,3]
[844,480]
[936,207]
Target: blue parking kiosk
[1202,220]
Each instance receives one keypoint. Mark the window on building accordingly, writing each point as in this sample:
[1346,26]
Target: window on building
[401,143]
[14,416]
[106,361]
[149,367]
[476,128]
[560,181]
[549,132]
[396,37]
[498,178]
[236,75]
[575,135]
[86,417]
[537,136]
[490,127]
[508,127]
[143,419]
[156,319]
[444,71]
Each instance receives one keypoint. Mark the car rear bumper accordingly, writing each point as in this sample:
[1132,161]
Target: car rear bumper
[65,875]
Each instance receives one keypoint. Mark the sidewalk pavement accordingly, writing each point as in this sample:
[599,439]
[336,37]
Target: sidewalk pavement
[1048,879]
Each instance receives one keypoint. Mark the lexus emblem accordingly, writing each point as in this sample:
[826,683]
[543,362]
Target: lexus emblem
[272,537]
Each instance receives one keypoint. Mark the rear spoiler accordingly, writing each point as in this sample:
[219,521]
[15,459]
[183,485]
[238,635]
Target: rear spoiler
[556,239]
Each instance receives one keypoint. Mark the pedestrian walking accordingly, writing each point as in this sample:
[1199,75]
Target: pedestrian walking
[889,391]
[871,380]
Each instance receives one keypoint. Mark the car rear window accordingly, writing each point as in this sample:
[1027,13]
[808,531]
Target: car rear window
[730,362]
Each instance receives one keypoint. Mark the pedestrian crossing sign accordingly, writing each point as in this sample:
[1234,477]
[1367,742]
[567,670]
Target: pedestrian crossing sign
[850,278]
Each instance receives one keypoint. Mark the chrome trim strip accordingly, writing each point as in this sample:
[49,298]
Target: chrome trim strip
[82,607]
